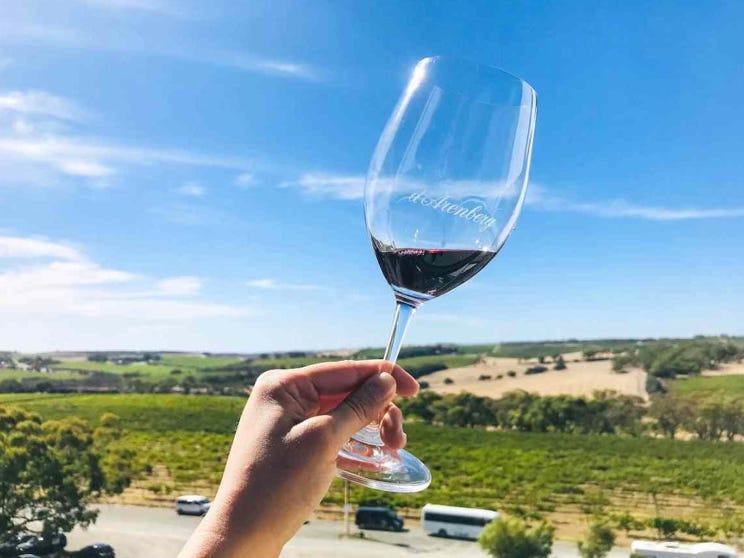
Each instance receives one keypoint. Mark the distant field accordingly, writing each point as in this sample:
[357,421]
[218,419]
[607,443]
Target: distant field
[186,440]
[579,378]
[146,370]
[731,385]
[193,365]
[53,375]
[200,362]
[141,412]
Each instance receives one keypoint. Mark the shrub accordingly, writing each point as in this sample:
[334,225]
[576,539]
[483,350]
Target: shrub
[560,364]
[499,376]
[483,377]
[665,526]
[423,384]
[599,541]
[449,381]
[539,369]
[511,373]
[511,538]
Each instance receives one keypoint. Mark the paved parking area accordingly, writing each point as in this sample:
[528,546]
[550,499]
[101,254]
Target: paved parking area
[138,532]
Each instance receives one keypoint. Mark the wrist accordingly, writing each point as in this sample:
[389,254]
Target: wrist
[225,532]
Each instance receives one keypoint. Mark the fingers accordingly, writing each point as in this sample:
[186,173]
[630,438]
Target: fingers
[334,378]
[363,405]
[391,428]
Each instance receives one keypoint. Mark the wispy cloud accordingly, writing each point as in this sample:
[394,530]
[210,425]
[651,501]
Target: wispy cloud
[26,247]
[186,285]
[274,285]
[255,64]
[44,277]
[138,45]
[154,6]
[40,103]
[245,180]
[339,186]
[38,143]
[541,199]
[191,189]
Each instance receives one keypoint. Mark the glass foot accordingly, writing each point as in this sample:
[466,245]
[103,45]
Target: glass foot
[382,468]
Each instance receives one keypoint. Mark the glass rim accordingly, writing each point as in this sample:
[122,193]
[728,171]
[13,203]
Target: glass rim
[474,65]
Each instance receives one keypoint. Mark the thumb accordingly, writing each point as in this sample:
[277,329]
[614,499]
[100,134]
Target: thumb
[364,405]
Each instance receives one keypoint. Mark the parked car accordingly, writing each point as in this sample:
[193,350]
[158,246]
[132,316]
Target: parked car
[9,547]
[46,544]
[368,517]
[192,505]
[95,550]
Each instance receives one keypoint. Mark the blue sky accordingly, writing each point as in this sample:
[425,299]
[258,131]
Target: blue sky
[177,175]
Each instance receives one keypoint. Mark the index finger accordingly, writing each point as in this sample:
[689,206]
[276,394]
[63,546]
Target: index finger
[334,378]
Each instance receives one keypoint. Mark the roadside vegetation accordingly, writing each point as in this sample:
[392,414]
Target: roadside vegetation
[696,485]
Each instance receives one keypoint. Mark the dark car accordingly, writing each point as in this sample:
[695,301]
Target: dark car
[95,550]
[46,544]
[9,547]
[368,517]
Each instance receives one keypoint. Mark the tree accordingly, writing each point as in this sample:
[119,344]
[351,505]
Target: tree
[589,353]
[560,364]
[98,357]
[52,470]
[511,538]
[665,527]
[628,523]
[670,414]
[599,541]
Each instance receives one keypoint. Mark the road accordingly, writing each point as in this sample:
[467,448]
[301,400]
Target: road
[136,532]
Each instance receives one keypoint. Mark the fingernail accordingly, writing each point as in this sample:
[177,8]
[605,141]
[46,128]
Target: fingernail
[386,383]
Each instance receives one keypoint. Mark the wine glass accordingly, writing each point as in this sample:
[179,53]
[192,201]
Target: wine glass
[445,187]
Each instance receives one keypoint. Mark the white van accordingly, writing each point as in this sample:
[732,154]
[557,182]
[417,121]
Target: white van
[192,505]
[451,521]
[671,549]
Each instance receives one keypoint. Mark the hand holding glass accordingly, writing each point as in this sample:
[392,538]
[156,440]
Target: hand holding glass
[445,187]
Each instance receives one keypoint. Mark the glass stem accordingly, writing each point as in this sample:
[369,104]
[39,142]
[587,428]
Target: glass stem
[370,434]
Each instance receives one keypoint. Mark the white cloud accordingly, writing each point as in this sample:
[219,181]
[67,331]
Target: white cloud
[245,180]
[37,147]
[343,187]
[21,247]
[540,198]
[155,6]
[40,103]
[85,168]
[274,285]
[191,189]
[153,46]
[33,288]
[186,285]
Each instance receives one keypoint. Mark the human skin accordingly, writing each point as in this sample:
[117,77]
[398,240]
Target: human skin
[283,456]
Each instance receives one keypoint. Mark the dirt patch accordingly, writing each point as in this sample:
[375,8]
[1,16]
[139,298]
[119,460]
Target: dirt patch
[579,378]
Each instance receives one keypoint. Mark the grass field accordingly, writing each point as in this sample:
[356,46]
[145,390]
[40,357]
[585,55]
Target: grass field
[732,385]
[186,438]
[8,374]
[199,366]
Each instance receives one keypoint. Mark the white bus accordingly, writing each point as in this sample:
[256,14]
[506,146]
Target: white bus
[670,549]
[450,521]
